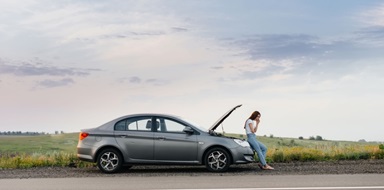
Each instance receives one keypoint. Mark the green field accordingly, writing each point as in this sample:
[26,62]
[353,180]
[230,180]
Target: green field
[60,150]
[39,144]
[68,142]
[39,151]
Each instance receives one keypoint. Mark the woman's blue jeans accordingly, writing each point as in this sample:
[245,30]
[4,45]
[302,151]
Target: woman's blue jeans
[259,147]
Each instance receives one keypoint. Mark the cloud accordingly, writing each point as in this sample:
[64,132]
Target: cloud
[373,16]
[374,32]
[135,80]
[33,70]
[371,36]
[83,20]
[217,67]
[155,82]
[56,83]
[36,68]
[139,81]
[179,29]
[306,55]
[282,46]
[119,35]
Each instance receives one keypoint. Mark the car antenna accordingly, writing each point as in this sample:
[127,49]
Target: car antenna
[222,128]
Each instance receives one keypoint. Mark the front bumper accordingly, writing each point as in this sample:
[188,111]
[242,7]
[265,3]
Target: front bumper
[242,155]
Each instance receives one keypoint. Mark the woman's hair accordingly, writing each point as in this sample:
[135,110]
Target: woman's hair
[254,115]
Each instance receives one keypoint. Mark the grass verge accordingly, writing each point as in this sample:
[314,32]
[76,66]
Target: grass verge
[48,159]
[60,151]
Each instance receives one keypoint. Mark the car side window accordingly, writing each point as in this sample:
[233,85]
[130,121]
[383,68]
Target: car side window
[121,126]
[168,125]
[142,124]
[134,124]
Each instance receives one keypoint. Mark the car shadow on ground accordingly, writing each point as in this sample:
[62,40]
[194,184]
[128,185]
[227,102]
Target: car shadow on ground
[180,169]
[157,170]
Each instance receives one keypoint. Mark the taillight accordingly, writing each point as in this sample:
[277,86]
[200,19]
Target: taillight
[83,135]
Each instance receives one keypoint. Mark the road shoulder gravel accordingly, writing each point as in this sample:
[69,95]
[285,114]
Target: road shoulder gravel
[293,168]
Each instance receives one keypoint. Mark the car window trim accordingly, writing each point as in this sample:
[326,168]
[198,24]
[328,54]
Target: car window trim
[177,121]
[137,127]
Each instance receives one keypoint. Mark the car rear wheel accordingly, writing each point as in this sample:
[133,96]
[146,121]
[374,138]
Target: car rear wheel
[109,161]
[217,160]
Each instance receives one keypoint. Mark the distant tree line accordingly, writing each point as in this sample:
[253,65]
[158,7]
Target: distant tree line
[22,133]
[317,138]
[28,133]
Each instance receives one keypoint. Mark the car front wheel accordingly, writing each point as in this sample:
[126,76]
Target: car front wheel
[217,160]
[109,161]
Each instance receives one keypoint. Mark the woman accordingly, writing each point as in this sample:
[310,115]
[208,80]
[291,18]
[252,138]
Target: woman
[251,126]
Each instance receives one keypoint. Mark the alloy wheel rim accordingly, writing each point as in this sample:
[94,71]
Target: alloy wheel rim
[217,160]
[109,161]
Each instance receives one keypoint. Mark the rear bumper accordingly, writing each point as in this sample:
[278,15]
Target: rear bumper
[83,157]
[85,154]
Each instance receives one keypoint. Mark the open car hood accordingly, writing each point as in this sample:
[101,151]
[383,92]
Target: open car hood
[222,118]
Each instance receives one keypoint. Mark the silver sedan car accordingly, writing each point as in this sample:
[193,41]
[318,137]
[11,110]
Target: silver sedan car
[160,139]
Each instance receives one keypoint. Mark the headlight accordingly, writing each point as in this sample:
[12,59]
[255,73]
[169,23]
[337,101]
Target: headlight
[242,142]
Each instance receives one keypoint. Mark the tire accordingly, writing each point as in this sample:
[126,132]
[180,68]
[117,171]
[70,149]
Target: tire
[217,160]
[109,161]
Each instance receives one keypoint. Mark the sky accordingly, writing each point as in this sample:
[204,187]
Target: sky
[312,68]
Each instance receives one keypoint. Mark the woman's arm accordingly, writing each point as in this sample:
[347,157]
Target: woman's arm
[257,126]
[253,129]
[257,123]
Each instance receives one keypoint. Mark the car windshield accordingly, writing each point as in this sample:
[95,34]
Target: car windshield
[194,124]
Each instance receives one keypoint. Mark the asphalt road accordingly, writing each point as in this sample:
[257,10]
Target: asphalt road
[248,182]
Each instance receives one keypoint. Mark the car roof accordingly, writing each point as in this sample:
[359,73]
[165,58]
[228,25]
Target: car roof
[111,123]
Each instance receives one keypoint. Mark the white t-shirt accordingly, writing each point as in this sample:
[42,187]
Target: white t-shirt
[247,129]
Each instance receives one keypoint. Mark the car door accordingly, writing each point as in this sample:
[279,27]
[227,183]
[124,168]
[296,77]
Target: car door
[135,138]
[172,144]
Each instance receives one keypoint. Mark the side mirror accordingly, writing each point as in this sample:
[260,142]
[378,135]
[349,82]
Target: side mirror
[188,130]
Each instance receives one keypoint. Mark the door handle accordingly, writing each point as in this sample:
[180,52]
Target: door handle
[160,138]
